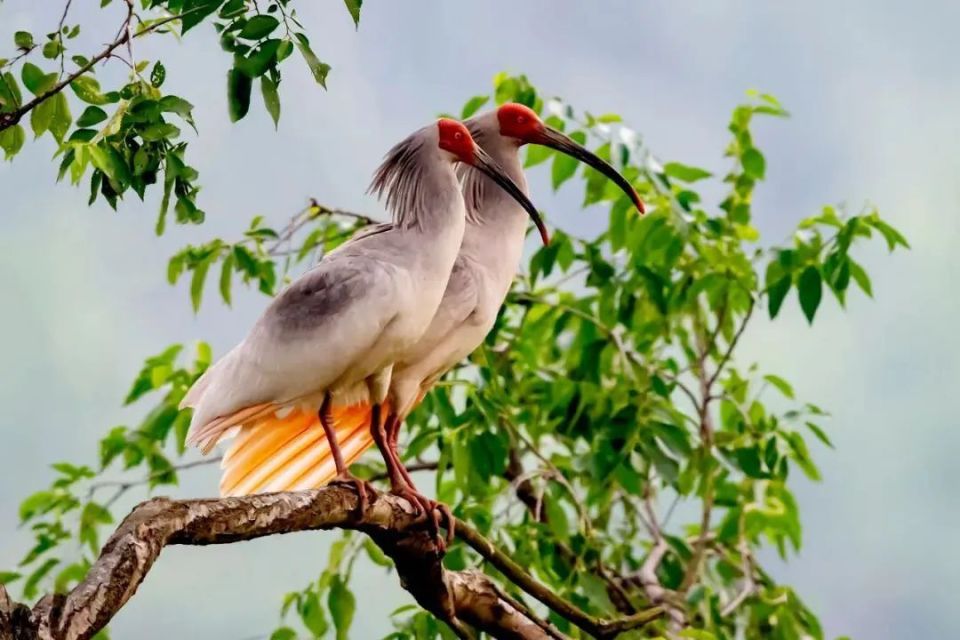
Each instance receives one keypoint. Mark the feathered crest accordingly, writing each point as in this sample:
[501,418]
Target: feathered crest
[399,177]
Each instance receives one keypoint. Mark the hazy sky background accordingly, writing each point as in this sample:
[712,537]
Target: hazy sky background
[874,92]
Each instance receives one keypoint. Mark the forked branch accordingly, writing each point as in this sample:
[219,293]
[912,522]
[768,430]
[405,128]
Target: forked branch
[458,598]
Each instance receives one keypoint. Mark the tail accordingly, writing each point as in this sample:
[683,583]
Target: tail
[291,453]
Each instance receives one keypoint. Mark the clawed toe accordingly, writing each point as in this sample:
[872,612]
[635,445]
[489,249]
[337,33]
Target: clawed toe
[438,514]
[363,489]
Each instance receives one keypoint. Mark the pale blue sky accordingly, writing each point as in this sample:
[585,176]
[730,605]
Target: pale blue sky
[874,92]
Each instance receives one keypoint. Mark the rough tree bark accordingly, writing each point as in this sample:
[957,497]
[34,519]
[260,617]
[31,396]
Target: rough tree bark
[462,599]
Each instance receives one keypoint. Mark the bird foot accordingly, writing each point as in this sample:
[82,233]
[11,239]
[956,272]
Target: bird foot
[362,487]
[438,514]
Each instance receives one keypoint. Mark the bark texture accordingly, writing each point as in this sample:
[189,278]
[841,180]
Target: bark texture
[130,552]
[465,600]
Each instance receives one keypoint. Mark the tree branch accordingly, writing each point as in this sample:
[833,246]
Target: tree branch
[458,598]
[10,118]
[597,627]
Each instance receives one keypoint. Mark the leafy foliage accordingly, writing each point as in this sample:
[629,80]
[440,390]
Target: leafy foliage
[607,401]
[68,518]
[130,138]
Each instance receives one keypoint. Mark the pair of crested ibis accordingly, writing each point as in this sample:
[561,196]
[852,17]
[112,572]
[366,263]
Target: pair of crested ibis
[346,351]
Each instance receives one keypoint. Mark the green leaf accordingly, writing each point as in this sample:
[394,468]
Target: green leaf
[10,96]
[197,282]
[91,116]
[754,163]
[376,554]
[179,106]
[112,445]
[802,456]
[262,58]
[684,172]
[41,118]
[62,119]
[6,577]
[271,99]
[11,140]
[861,278]
[160,131]
[810,290]
[317,68]
[564,167]
[52,49]
[23,39]
[820,434]
[87,89]
[70,576]
[311,614]
[30,586]
[537,154]
[111,163]
[353,6]
[35,80]
[259,26]
[776,295]
[158,74]
[238,93]
[342,605]
[226,278]
[36,504]
[284,633]
[473,105]
[195,11]
[891,235]
[782,385]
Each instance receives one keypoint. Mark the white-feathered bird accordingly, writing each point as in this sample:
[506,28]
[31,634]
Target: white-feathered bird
[341,327]
[484,269]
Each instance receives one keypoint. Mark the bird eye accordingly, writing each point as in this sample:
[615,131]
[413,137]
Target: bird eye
[458,136]
[521,119]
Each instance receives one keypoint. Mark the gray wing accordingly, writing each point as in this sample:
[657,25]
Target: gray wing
[307,339]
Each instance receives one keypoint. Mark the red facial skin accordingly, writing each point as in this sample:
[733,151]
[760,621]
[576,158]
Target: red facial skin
[455,138]
[520,122]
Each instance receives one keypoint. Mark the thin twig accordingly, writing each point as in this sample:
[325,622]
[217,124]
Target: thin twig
[63,19]
[749,586]
[517,575]
[10,118]
[733,345]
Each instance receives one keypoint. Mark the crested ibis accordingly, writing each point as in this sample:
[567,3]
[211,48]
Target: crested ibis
[482,274]
[342,326]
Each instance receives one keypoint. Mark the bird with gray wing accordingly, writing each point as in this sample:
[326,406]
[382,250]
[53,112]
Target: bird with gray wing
[487,262]
[340,327]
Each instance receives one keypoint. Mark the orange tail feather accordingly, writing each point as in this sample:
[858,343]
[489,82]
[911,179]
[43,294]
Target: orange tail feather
[291,453]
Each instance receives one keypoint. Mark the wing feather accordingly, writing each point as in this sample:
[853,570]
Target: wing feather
[309,337]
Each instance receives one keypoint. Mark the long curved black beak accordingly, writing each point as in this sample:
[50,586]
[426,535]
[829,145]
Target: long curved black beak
[550,137]
[483,162]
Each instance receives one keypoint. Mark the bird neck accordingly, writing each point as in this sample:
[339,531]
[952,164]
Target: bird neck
[496,223]
[432,204]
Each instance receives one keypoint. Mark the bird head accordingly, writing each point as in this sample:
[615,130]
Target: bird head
[521,123]
[455,138]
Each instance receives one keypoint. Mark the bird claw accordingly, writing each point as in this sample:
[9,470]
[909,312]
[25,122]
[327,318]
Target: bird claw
[363,489]
[438,514]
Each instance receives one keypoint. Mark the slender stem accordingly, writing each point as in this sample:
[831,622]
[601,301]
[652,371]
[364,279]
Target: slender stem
[10,118]
[515,573]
